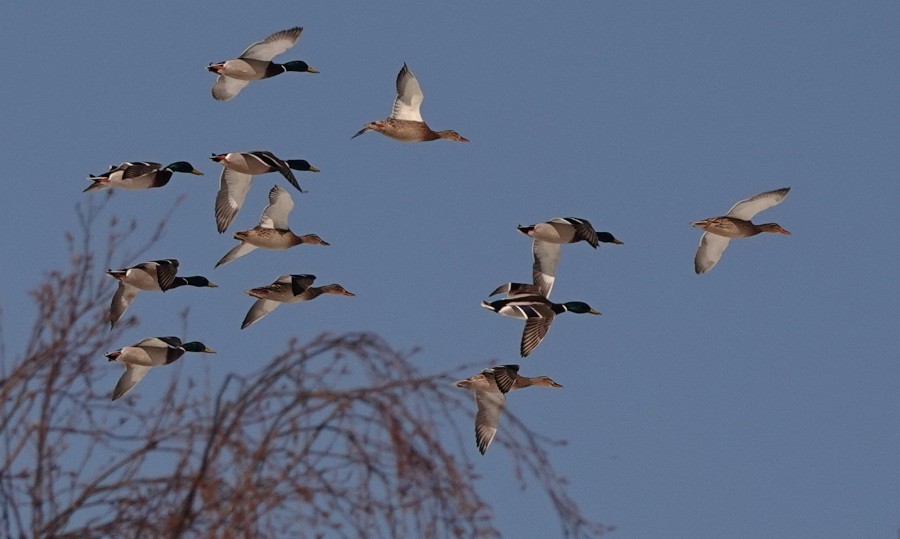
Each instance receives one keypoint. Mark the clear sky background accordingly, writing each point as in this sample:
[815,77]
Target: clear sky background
[759,400]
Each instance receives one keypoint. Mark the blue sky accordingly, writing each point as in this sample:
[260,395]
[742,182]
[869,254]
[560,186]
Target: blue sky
[759,400]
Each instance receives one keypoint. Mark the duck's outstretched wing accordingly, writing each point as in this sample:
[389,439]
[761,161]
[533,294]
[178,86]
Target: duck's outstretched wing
[546,258]
[132,375]
[226,88]
[746,209]
[505,376]
[233,188]
[276,213]
[490,406]
[273,45]
[238,251]
[516,289]
[409,97]
[259,309]
[710,250]
[123,297]
[535,330]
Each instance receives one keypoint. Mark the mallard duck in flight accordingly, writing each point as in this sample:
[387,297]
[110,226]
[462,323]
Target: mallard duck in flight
[490,387]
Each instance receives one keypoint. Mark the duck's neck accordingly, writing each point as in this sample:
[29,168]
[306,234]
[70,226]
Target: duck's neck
[173,354]
[274,69]
[332,289]
[523,381]
[313,292]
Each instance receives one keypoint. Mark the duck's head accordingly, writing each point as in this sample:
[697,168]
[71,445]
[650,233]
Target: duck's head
[195,346]
[336,289]
[773,227]
[198,280]
[260,292]
[310,238]
[580,307]
[299,66]
[184,166]
[451,135]
[606,237]
[301,164]
[544,381]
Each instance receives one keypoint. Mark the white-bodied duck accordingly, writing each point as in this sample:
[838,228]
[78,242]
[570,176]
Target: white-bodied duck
[141,356]
[237,175]
[139,175]
[256,63]
[157,275]
[548,236]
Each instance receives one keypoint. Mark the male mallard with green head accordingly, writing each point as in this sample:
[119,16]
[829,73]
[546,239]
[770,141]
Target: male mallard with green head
[155,275]
[256,63]
[549,236]
[141,356]
[139,175]
[237,175]
[525,303]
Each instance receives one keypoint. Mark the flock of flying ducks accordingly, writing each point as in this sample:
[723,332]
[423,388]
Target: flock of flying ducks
[526,301]
[531,302]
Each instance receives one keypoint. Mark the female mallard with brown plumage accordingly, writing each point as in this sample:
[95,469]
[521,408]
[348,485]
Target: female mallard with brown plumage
[734,224]
[287,289]
[405,122]
[272,232]
[490,387]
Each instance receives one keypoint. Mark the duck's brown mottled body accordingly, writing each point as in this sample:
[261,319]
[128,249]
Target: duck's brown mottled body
[718,231]
[405,122]
[273,238]
[287,289]
[410,131]
[730,227]
[490,387]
